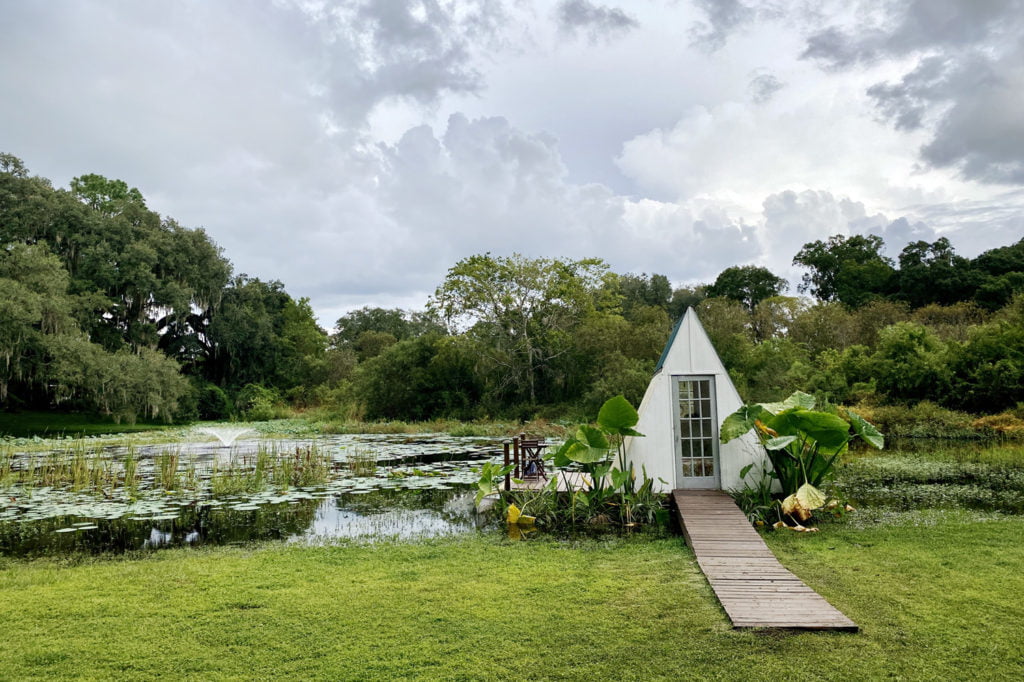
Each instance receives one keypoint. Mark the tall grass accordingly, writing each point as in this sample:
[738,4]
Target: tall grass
[167,476]
[536,427]
[362,462]
[307,466]
[130,471]
[304,466]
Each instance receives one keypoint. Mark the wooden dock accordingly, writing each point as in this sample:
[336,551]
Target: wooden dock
[568,481]
[755,590]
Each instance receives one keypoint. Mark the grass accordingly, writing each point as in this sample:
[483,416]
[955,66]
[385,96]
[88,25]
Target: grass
[362,463]
[933,602]
[27,424]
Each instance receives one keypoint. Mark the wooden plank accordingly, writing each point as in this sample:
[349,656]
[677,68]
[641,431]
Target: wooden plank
[755,590]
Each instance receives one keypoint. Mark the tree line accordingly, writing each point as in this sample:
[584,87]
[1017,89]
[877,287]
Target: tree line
[109,307]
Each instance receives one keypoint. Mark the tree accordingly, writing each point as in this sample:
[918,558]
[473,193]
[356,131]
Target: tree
[34,304]
[999,274]
[419,378]
[774,317]
[911,363]
[684,298]
[108,197]
[933,273]
[400,324]
[867,322]
[260,335]
[821,327]
[641,290]
[953,322]
[747,284]
[851,270]
[988,370]
[521,310]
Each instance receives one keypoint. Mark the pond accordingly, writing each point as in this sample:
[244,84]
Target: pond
[74,498]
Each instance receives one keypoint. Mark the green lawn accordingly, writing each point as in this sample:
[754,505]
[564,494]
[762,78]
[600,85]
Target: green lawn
[934,602]
[55,424]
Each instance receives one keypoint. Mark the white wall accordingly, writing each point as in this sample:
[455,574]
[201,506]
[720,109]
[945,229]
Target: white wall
[691,353]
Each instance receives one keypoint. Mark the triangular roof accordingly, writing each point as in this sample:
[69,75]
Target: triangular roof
[689,351]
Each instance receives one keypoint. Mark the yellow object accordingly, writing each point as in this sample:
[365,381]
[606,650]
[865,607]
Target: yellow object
[516,517]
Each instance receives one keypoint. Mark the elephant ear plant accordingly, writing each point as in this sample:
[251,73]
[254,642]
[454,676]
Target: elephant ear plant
[592,446]
[802,444]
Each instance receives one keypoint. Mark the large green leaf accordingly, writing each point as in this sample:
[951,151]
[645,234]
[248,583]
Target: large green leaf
[561,458]
[778,443]
[866,430]
[592,437]
[589,446]
[830,432]
[798,399]
[617,414]
[740,421]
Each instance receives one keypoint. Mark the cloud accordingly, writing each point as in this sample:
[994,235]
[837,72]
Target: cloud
[817,136]
[763,87]
[598,22]
[965,84]
[901,28]
[723,18]
[357,149]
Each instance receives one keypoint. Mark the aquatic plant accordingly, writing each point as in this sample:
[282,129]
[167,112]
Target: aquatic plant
[362,462]
[130,474]
[167,470]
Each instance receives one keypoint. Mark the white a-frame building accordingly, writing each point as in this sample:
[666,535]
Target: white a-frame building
[680,415]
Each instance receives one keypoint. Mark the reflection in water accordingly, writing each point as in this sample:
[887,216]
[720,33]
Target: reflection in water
[380,514]
[157,538]
[341,519]
[420,488]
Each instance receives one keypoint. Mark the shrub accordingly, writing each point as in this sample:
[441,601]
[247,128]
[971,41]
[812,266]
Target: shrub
[923,420]
[212,402]
[257,403]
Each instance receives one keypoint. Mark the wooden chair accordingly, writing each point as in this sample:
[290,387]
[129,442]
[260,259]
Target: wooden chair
[531,458]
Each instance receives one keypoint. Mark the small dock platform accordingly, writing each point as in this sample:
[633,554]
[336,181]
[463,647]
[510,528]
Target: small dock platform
[755,590]
[568,481]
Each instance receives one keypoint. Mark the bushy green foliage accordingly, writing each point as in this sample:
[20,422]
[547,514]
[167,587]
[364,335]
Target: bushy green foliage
[256,402]
[212,402]
[420,378]
[851,270]
[747,284]
[96,285]
[917,481]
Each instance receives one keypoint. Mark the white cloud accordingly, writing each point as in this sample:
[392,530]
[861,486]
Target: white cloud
[357,150]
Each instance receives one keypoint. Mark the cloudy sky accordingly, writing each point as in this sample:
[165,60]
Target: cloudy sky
[356,150]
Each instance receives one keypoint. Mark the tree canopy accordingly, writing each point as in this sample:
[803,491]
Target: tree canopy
[747,284]
[851,270]
[107,306]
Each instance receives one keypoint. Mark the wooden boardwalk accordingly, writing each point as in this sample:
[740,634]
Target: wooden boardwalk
[755,590]
[568,481]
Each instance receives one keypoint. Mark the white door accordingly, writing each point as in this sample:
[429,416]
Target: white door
[696,432]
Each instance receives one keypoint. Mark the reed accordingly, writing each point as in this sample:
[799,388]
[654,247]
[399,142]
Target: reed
[311,466]
[7,476]
[130,469]
[232,480]
[167,476]
[362,462]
